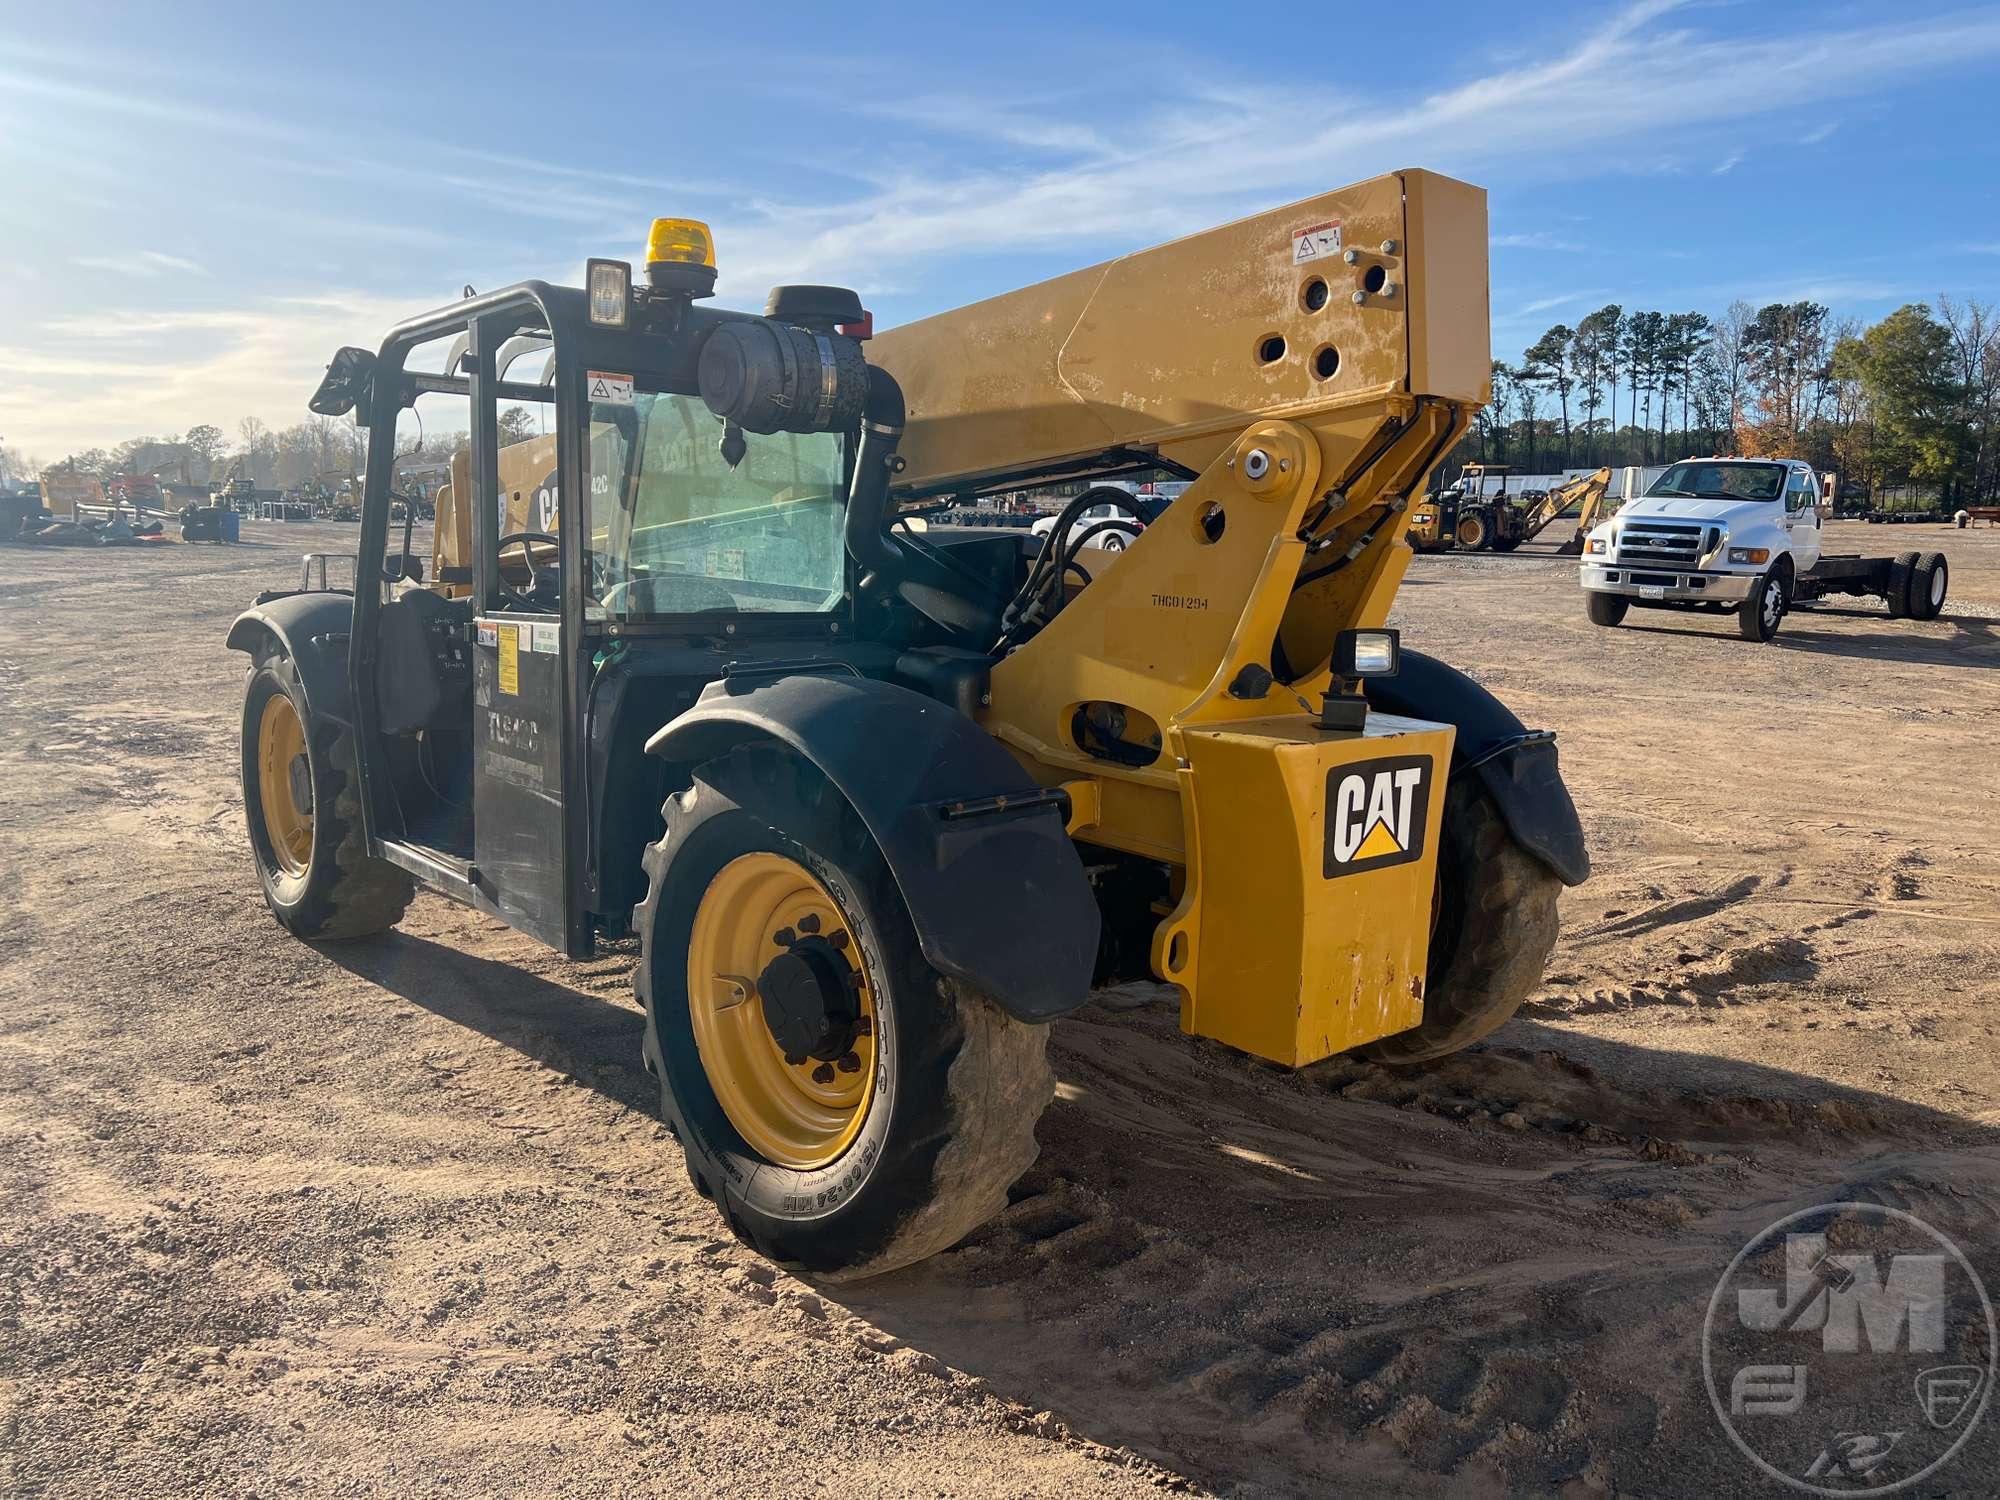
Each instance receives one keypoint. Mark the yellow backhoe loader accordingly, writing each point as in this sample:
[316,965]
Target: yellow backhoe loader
[882,799]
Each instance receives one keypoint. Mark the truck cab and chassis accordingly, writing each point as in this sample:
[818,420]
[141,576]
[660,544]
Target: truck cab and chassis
[1742,536]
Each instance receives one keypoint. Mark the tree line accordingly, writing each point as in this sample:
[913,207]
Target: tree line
[1907,403]
[318,452]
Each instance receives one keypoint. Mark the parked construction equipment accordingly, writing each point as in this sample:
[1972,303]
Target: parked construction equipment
[881,801]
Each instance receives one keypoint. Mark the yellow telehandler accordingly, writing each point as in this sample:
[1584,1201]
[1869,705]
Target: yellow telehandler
[880,798]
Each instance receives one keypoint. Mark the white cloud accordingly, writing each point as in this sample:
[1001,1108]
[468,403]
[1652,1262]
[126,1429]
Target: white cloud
[1728,163]
[1173,169]
[122,371]
[146,263]
[1539,239]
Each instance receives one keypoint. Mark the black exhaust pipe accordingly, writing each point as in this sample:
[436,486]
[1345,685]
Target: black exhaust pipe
[868,539]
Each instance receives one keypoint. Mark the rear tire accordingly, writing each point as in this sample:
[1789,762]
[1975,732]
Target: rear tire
[1606,609]
[959,1084]
[1758,617]
[1495,926]
[324,884]
[1930,580]
[1896,595]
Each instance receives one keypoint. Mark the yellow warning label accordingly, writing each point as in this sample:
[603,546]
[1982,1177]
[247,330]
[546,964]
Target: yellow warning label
[510,659]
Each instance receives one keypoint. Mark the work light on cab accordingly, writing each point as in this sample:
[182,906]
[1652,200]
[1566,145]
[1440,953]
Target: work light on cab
[610,285]
[680,257]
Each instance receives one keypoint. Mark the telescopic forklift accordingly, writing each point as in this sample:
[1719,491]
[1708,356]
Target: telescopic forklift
[880,800]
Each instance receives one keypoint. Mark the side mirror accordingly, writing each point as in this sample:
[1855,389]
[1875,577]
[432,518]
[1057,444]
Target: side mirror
[345,384]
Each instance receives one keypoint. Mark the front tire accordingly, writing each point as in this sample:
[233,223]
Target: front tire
[1493,928]
[1758,617]
[1606,609]
[302,801]
[842,1182]
[1473,532]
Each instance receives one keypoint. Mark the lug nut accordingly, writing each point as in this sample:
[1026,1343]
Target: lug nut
[865,1026]
[784,937]
[838,938]
[823,1073]
[809,922]
[851,1063]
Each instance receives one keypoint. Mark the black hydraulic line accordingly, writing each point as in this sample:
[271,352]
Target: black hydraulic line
[1107,463]
[1055,559]
[1361,543]
[1338,492]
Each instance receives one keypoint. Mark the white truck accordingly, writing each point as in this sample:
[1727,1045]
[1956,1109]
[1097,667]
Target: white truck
[1741,535]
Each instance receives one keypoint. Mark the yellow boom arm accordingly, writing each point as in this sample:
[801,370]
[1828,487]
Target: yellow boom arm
[1312,364]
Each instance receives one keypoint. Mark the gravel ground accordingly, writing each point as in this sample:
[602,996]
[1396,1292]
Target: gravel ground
[399,1213]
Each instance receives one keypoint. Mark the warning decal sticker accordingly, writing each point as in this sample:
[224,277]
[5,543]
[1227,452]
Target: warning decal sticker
[1375,813]
[606,389]
[1316,242]
[510,660]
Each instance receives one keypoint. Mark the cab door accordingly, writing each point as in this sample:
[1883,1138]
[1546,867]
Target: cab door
[1802,517]
[526,624]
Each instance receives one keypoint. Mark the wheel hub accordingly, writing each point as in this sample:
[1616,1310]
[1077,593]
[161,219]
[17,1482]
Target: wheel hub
[299,775]
[810,1004]
[783,1016]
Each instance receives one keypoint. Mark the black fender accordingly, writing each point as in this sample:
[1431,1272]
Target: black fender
[995,887]
[313,628]
[1517,765]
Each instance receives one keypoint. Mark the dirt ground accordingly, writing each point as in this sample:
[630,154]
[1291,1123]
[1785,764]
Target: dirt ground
[398,1215]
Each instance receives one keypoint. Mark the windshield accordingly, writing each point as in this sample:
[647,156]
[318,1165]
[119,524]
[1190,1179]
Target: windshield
[1718,481]
[674,530]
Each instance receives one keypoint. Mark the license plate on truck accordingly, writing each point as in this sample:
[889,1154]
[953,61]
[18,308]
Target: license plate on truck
[1652,591]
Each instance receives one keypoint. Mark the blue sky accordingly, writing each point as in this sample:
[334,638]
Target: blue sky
[199,202]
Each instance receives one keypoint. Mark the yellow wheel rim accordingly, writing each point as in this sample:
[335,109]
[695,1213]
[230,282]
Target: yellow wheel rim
[800,1115]
[281,744]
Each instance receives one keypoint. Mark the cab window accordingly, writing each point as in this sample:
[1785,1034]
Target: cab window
[675,530]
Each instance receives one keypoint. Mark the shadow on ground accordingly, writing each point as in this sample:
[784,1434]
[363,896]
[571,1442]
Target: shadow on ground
[1348,1275]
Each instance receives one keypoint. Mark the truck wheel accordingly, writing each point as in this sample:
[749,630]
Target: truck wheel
[848,1108]
[1758,616]
[1896,593]
[1606,609]
[1473,532]
[302,801]
[1493,924]
[1929,581]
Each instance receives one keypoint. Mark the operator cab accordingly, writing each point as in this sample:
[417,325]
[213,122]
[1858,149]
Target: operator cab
[635,497]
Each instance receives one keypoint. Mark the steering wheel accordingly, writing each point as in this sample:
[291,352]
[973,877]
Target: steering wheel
[533,596]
